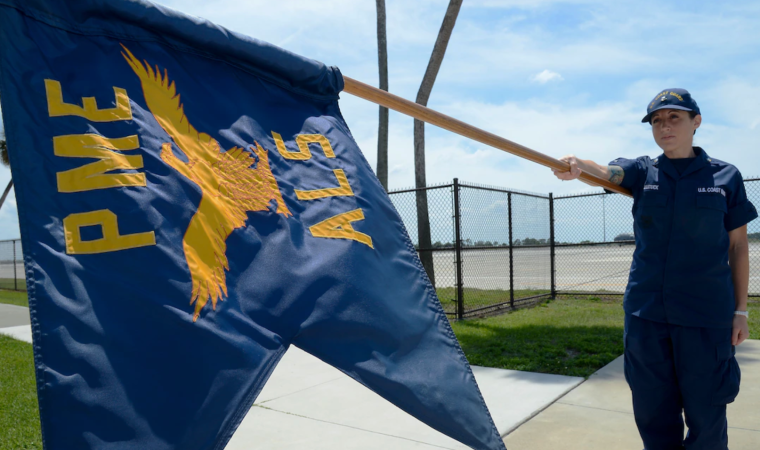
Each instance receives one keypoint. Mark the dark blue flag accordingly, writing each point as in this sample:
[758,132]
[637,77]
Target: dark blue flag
[192,203]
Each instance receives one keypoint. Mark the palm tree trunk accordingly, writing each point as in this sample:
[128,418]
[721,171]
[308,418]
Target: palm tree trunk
[382,63]
[5,194]
[3,151]
[434,65]
[6,162]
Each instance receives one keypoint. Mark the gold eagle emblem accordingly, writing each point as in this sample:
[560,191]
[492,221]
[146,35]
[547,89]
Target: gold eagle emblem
[230,188]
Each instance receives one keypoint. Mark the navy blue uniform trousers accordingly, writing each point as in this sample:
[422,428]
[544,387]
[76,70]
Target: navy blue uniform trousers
[672,368]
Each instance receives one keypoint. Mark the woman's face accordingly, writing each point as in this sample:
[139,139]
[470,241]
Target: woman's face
[673,129]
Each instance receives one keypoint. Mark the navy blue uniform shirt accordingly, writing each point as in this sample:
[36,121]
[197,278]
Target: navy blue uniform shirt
[680,272]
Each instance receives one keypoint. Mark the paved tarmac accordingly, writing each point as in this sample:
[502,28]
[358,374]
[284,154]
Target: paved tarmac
[591,268]
[309,404]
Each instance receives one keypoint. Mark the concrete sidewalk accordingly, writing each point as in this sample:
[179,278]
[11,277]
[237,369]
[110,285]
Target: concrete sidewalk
[309,404]
[12,315]
[598,413]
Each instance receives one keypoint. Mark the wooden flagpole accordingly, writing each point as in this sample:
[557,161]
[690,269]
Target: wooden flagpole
[5,194]
[430,116]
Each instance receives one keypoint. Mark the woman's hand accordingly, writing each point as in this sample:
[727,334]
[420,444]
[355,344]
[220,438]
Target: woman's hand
[574,172]
[741,330]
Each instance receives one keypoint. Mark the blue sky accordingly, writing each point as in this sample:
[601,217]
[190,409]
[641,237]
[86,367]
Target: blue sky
[559,76]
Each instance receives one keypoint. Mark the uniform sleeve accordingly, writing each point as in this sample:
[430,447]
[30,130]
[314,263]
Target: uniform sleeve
[741,211]
[633,172]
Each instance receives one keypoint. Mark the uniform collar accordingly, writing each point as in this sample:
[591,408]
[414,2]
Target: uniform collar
[700,161]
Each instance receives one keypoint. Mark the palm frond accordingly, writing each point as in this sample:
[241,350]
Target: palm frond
[4,151]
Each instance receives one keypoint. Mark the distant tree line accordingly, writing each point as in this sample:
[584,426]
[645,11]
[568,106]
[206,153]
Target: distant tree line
[537,242]
[471,243]
[481,243]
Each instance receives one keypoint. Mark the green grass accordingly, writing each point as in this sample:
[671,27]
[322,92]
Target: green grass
[479,298]
[575,336]
[566,337]
[11,284]
[754,319]
[19,416]
[14,298]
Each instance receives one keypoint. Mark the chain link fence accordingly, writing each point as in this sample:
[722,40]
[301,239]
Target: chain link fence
[493,248]
[594,243]
[12,266]
[752,186]
[441,248]
[475,270]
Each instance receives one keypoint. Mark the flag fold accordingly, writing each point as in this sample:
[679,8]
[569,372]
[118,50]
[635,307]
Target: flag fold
[191,203]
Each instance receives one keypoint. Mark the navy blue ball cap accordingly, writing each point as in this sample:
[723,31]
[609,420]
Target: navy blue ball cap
[671,99]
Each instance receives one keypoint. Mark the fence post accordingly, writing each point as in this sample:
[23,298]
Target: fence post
[511,256]
[604,218]
[458,245]
[15,278]
[551,244]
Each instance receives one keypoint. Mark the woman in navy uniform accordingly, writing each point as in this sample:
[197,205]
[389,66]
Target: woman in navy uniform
[686,299]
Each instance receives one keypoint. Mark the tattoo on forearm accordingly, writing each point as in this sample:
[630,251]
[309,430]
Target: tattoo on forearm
[616,174]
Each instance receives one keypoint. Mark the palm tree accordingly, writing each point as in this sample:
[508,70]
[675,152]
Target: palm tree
[4,150]
[6,162]
[436,58]
[382,63]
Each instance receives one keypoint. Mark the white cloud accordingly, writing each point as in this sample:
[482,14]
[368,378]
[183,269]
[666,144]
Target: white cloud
[613,56]
[546,76]
[601,132]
